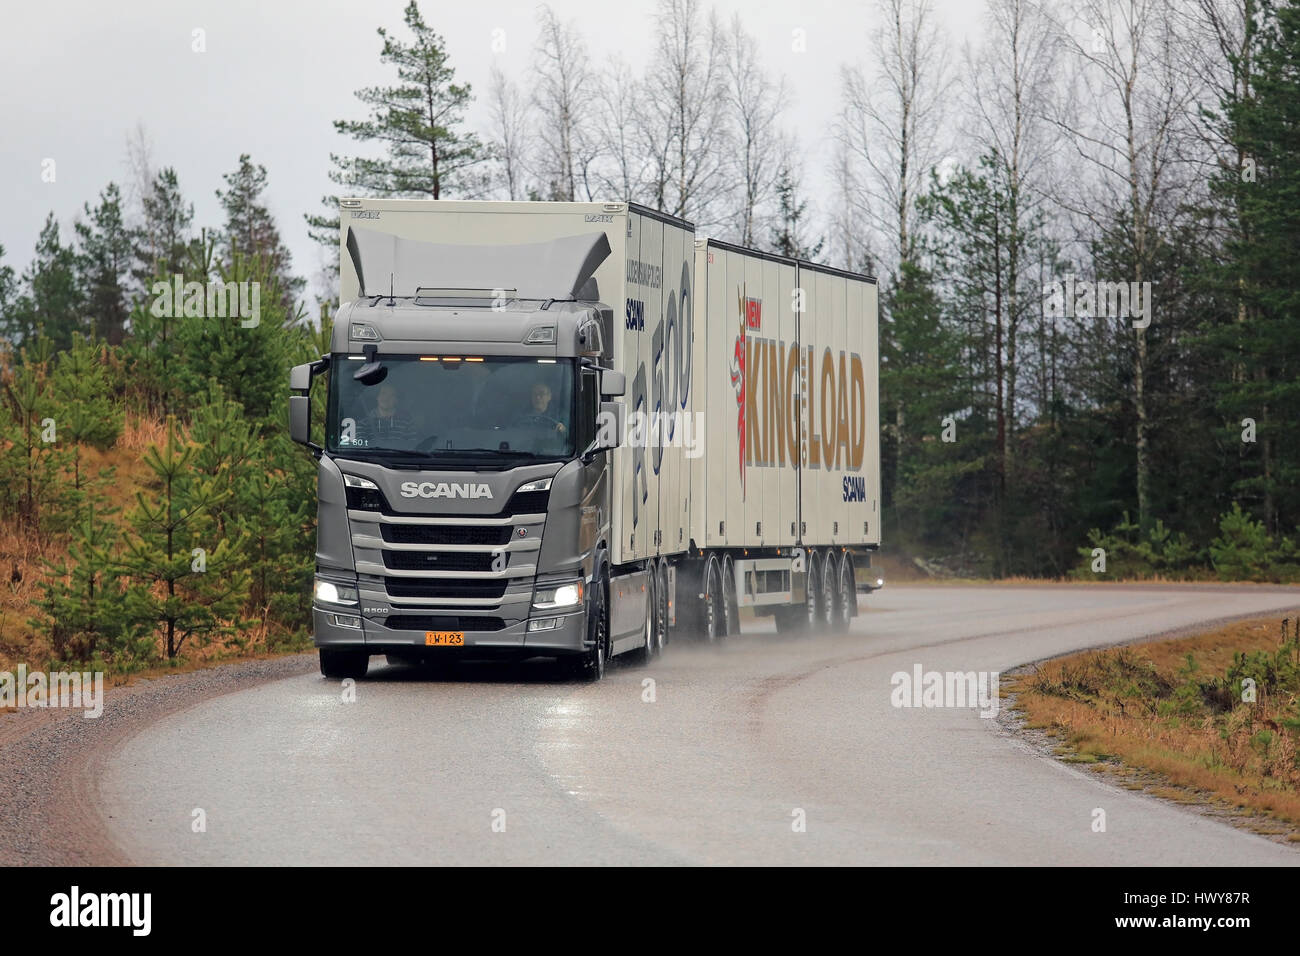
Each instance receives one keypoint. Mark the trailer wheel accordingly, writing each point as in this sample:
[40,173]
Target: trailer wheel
[848,593]
[730,606]
[827,596]
[838,566]
[710,610]
[812,615]
[339,664]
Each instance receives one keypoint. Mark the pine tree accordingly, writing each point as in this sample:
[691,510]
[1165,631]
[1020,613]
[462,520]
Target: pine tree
[82,600]
[154,348]
[85,407]
[419,121]
[162,245]
[266,499]
[787,237]
[183,578]
[1260,193]
[251,232]
[8,294]
[105,249]
[50,301]
[31,483]
[248,362]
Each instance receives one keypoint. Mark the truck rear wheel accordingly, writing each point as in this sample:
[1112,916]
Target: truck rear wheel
[730,607]
[661,608]
[649,648]
[338,664]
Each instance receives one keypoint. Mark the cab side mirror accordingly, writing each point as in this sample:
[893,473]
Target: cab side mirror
[609,425]
[300,419]
[300,377]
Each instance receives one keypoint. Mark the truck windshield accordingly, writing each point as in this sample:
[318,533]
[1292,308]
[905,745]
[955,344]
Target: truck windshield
[447,408]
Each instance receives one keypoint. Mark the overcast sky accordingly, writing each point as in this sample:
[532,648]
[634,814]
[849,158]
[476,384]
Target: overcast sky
[77,76]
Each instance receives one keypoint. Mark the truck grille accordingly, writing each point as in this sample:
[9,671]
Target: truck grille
[438,560]
[444,534]
[448,588]
[445,558]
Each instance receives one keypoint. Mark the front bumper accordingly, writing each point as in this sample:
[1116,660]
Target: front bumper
[512,640]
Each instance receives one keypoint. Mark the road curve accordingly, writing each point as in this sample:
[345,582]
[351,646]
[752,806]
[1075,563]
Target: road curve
[497,766]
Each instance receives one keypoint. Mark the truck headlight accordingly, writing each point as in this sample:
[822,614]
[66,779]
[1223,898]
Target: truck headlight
[558,596]
[328,592]
[362,494]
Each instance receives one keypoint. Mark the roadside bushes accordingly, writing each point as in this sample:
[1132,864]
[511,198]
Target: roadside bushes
[1242,551]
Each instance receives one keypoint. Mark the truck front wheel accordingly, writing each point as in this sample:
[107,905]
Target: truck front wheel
[590,665]
[339,664]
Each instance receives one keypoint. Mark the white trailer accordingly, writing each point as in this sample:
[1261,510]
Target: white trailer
[790,350]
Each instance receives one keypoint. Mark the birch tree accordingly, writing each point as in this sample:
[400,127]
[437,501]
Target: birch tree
[563,99]
[684,133]
[509,136]
[1132,98]
[760,148]
[620,170]
[892,119]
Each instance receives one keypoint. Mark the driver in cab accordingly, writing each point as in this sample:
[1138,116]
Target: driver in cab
[541,400]
[390,423]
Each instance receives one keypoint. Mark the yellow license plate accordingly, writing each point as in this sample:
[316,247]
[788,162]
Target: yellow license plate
[444,638]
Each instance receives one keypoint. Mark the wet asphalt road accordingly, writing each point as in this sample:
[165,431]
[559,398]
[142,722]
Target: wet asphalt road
[740,743]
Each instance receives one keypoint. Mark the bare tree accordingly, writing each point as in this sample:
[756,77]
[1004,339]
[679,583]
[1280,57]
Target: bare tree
[683,132]
[621,167]
[850,244]
[1221,46]
[1010,91]
[760,148]
[1137,92]
[892,122]
[563,96]
[509,135]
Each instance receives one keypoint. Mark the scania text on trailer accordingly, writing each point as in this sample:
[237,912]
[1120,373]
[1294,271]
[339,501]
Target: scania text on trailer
[572,430]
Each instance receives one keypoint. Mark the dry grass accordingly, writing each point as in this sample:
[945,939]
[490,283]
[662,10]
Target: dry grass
[21,559]
[139,432]
[1145,709]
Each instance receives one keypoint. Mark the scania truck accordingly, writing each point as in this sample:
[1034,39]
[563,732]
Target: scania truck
[575,430]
